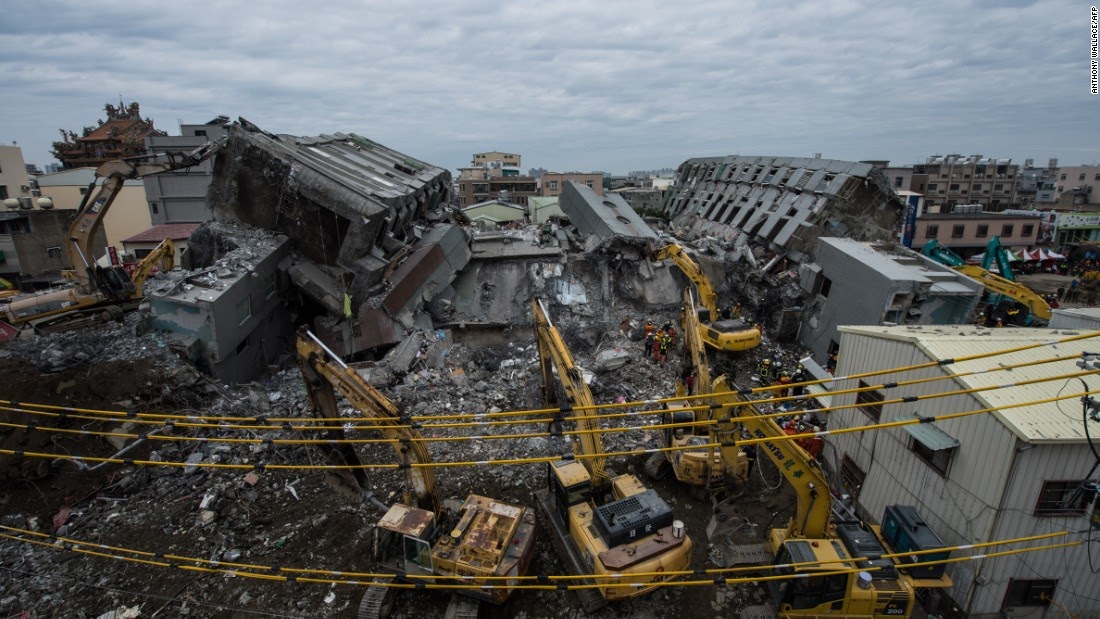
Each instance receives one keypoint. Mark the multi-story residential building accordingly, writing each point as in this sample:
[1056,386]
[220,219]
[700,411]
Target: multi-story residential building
[968,230]
[552,183]
[1078,187]
[14,182]
[1035,187]
[954,179]
[179,196]
[505,160]
[494,176]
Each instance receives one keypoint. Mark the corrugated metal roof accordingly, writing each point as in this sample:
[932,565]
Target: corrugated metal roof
[1048,422]
[931,436]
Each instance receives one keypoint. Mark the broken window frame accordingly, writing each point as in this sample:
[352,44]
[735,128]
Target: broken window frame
[870,402]
[1054,494]
[1023,592]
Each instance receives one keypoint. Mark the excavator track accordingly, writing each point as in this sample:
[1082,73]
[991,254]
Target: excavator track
[762,611]
[377,602]
[590,599]
[462,607]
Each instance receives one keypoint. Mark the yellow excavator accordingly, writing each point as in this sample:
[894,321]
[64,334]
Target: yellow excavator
[98,293]
[706,467]
[1033,301]
[814,547]
[634,534]
[7,289]
[420,536]
[730,334]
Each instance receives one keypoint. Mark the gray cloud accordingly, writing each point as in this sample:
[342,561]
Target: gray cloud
[611,86]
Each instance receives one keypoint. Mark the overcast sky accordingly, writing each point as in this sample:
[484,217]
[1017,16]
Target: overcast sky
[569,85]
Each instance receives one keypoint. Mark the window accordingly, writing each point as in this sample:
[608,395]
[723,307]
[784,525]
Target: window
[954,187]
[999,187]
[200,133]
[553,184]
[244,310]
[851,476]
[933,446]
[1096,178]
[1060,189]
[1028,229]
[897,181]
[983,231]
[3,192]
[870,402]
[1081,176]
[931,186]
[270,289]
[958,231]
[155,209]
[826,286]
[1029,592]
[1061,498]
[589,183]
[53,252]
[932,231]
[1063,177]
[1007,229]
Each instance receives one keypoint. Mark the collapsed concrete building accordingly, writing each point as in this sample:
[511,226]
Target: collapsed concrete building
[782,204]
[857,283]
[369,220]
[227,315]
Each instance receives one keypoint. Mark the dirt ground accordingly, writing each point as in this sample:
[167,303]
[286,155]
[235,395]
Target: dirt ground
[279,518]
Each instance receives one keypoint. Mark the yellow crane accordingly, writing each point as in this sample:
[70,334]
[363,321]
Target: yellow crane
[884,588]
[98,293]
[634,534]
[419,535]
[731,334]
[705,467]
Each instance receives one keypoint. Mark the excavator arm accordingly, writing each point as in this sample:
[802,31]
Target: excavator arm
[89,215]
[324,375]
[707,297]
[695,353]
[1031,299]
[1000,285]
[163,257]
[814,504]
[553,353]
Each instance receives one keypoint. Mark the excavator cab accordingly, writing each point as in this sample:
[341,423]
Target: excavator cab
[114,282]
[569,483]
[403,538]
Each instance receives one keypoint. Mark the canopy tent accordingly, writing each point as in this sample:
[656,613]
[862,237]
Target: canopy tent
[1040,255]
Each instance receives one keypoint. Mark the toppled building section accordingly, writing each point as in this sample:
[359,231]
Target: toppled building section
[419,279]
[225,315]
[345,201]
[856,283]
[782,203]
[367,219]
[602,216]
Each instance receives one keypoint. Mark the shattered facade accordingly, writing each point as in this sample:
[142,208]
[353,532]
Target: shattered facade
[783,203]
[855,283]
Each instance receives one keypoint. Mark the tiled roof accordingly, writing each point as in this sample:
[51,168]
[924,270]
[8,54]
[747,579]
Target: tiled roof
[163,231]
